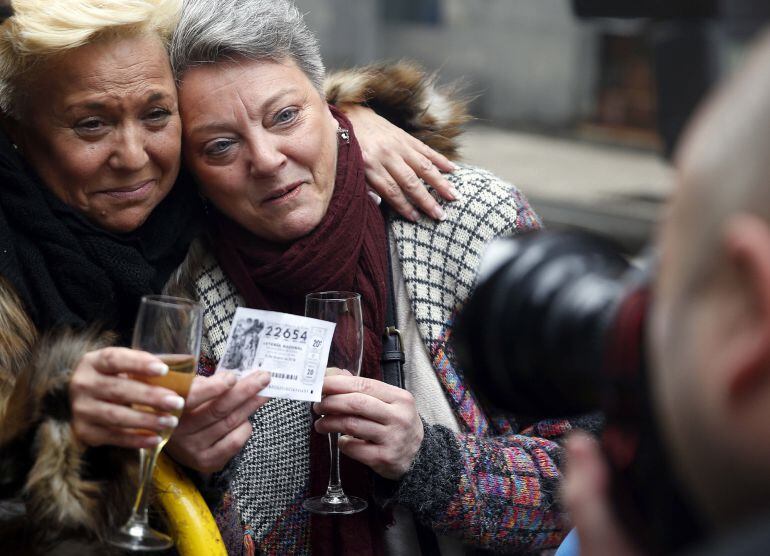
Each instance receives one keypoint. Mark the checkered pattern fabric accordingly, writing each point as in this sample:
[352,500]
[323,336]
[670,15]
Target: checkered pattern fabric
[489,485]
[440,259]
[499,491]
[440,262]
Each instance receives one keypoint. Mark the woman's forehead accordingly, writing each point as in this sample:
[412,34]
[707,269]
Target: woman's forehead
[209,93]
[241,73]
[134,68]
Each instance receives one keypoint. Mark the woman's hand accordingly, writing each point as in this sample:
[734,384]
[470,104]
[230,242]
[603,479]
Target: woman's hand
[215,424]
[101,396]
[397,164]
[381,422]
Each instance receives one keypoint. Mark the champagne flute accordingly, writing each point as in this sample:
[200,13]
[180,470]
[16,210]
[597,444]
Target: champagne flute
[347,350]
[170,328]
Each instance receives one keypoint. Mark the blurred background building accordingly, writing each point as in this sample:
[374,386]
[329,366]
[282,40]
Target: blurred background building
[580,113]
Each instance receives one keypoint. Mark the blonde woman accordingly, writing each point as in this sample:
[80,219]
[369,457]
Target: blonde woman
[90,220]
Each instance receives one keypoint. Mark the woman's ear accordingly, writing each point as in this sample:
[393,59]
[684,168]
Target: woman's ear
[746,242]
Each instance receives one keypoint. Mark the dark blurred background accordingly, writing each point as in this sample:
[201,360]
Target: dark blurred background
[579,103]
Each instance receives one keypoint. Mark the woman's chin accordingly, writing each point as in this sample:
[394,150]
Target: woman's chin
[120,222]
[291,231]
[287,228]
[121,215]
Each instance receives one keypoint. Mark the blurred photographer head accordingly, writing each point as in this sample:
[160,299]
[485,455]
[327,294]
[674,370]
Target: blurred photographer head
[561,325]
[708,331]
[710,322]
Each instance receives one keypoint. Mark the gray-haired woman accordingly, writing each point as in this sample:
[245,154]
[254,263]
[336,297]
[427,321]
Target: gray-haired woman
[290,215]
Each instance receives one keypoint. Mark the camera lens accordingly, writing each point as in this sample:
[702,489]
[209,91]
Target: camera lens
[536,327]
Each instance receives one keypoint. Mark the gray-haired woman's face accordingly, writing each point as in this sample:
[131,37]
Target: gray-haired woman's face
[101,128]
[262,143]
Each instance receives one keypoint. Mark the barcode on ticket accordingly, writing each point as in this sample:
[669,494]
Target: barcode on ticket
[283,376]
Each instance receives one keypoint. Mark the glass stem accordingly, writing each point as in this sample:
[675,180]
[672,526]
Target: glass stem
[334,492]
[147,459]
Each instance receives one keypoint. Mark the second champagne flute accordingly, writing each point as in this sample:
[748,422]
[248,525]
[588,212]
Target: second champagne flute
[347,350]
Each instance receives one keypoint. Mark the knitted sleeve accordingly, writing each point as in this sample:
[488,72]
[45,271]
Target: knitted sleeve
[498,493]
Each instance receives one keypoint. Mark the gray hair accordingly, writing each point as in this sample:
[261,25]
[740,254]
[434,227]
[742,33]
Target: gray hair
[213,30]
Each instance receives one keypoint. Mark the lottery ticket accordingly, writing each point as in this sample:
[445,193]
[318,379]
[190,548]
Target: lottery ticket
[293,349]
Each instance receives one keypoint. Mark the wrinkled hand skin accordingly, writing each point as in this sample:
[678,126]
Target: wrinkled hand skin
[380,423]
[397,164]
[215,424]
[102,395]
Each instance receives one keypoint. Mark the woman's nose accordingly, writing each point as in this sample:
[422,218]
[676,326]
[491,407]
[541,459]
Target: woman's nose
[267,156]
[130,153]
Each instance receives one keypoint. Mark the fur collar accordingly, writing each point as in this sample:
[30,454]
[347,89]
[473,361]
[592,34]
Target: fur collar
[407,96]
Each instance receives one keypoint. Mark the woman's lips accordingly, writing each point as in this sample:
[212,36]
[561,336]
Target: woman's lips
[131,192]
[288,194]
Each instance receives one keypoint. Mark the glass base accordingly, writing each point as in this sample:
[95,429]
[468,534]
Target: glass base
[337,505]
[139,537]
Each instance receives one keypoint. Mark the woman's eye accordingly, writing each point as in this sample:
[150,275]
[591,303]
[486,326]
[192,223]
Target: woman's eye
[286,115]
[159,115]
[218,147]
[90,125]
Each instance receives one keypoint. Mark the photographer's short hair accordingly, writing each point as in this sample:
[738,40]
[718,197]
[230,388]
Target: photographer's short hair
[215,30]
[725,161]
[40,29]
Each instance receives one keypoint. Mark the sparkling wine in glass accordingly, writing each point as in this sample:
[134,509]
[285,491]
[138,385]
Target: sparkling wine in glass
[170,328]
[347,350]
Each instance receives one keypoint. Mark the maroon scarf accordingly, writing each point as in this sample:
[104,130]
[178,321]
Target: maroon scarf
[346,252]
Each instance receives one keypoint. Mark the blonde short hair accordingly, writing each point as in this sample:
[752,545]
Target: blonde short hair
[43,28]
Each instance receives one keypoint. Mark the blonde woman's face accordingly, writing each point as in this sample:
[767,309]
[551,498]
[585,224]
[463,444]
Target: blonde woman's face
[101,128]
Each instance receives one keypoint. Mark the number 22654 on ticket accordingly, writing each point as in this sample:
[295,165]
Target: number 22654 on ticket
[293,349]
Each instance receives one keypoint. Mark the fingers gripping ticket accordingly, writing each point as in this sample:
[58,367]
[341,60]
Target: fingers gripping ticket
[215,429]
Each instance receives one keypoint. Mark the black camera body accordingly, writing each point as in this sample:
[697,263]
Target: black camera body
[556,328]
